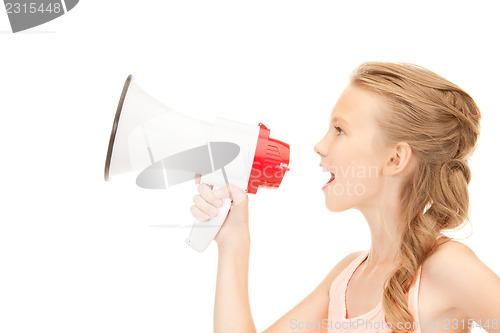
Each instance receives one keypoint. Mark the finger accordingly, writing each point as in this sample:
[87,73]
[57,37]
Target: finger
[197,178]
[207,193]
[233,192]
[198,214]
[205,206]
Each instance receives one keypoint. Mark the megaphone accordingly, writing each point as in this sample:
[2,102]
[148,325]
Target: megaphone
[161,147]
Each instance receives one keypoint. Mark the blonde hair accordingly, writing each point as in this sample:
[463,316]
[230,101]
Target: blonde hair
[440,122]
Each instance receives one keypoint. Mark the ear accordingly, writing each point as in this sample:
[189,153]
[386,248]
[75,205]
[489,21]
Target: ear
[399,160]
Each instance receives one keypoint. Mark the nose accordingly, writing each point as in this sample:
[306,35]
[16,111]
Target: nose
[320,148]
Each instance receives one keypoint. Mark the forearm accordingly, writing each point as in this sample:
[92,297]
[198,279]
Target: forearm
[232,304]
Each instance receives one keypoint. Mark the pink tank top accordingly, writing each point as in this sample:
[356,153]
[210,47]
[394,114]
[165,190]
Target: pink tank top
[372,321]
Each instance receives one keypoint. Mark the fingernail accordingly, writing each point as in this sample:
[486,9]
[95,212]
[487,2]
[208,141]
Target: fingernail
[218,203]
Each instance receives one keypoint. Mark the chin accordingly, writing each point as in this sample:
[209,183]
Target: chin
[336,207]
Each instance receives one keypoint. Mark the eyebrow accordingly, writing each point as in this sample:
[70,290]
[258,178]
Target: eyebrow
[340,120]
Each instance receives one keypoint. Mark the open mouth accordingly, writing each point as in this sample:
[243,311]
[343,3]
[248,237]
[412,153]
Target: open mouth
[332,178]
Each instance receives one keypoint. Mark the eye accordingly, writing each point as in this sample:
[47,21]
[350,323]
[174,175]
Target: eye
[339,130]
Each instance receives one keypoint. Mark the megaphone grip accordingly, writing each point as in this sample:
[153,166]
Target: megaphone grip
[202,233]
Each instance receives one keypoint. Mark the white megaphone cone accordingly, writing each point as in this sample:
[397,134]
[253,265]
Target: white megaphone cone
[162,147]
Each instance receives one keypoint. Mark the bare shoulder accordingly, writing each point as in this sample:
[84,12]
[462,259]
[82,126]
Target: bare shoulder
[344,262]
[338,268]
[455,260]
[460,279]
[448,255]
[348,259]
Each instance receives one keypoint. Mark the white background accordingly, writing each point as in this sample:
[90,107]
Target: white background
[81,255]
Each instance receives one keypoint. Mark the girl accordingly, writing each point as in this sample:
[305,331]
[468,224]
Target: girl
[412,132]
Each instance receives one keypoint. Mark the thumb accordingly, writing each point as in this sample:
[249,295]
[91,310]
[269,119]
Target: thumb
[236,194]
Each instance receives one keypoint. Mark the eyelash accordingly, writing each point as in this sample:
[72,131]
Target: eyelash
[339,129]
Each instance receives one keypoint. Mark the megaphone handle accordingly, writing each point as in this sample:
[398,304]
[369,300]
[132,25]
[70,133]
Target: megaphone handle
[202,233]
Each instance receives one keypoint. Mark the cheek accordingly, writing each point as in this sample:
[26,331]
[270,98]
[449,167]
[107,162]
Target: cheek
[368,176]
[360,172]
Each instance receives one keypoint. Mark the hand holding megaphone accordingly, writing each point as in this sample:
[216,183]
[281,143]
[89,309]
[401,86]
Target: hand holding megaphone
[162,148]
[207,205]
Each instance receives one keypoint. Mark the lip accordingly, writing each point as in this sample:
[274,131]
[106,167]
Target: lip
[331,179]
[325,168]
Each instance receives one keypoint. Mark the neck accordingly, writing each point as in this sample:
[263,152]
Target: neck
[383,219]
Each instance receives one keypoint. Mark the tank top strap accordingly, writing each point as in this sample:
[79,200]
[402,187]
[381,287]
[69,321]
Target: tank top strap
[339,284]
[414,291]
